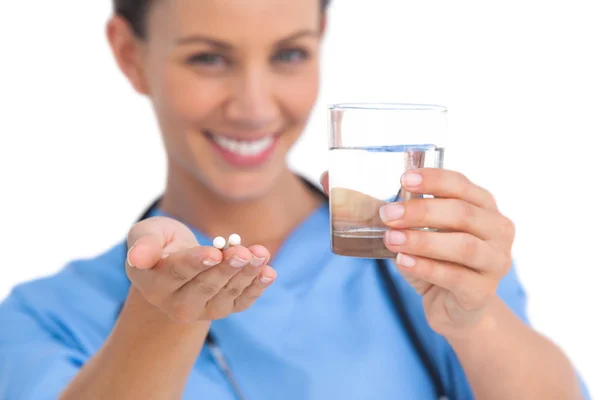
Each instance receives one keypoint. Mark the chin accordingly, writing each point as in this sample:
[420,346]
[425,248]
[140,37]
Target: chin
[238,186]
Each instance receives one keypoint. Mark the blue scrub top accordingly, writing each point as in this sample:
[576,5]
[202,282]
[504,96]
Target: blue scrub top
[325,330]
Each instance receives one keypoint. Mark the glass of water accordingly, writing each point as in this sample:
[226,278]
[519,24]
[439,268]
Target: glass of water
[370,147]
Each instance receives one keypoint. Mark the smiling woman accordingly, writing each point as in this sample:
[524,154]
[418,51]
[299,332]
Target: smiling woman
[231,94]
[165,314]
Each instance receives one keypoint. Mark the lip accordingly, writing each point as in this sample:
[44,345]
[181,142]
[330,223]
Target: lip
[238,160]
[251,137]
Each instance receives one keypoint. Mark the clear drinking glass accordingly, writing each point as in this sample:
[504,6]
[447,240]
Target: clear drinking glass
[370,147]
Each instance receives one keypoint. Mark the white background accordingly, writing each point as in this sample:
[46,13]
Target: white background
[520,79]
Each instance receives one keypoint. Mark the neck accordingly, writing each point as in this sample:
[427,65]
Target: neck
[267,220]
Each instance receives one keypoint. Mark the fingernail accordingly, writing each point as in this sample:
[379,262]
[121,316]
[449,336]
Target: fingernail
[257,262]
[395,237]
[127,259]
[405,261]
[411,179]
[265,280]
[391,212]
[210,263]
[237,262]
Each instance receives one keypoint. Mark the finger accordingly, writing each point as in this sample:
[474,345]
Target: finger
[447,184]
[447,214]
[471,290]
[148,238]
[260,255]
[455,247]
[256,289]
[324,180]
[145,252]
[208,283]
[174,271]
[222,303]
[349,207]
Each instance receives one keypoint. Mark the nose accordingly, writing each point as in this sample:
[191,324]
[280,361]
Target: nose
[252,103]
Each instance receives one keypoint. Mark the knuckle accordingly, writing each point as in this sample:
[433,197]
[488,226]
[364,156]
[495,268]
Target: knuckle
[175,272]
[507,227]
[207,289]
[468,247]
[420,242]
[465,213]
[239,307]
[242,305]
[252,297]
[421,210]
[463,181]
[233,291]
[195,254]
[248,300]
[505,264]
[250,272]
[491,197]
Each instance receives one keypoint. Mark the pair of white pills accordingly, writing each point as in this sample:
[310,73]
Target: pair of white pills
[220,243]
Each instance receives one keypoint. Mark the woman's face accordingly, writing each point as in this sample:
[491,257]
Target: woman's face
[233,83]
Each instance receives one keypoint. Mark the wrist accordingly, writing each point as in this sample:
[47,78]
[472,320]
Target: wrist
[139,311]
[486,325]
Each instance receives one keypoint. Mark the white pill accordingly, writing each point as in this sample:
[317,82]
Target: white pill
[219,242]
[234,240]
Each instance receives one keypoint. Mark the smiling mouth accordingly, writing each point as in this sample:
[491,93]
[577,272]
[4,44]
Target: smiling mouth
[243,147]
[243,152]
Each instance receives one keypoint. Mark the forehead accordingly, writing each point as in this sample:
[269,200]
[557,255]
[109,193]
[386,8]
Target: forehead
[234,19]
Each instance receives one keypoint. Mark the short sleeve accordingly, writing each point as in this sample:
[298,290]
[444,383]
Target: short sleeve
[511,291]
[51,326]
[34,364]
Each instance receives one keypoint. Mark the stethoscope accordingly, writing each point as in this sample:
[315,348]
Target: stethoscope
[397,302]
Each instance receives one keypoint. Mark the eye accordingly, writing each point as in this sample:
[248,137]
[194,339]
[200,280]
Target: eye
[206,59]
[291,56]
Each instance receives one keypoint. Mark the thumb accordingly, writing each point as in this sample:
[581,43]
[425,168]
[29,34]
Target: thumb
[324,180]
[145,252]
[148,238]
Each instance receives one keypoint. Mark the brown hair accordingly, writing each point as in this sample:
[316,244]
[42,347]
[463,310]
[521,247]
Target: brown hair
[135,12]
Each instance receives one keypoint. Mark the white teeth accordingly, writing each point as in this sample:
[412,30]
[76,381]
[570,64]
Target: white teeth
[244,148]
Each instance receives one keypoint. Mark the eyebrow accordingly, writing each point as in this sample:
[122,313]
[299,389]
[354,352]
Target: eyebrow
[227,46]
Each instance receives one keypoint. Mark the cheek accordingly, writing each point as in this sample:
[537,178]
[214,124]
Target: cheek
[183,98]
[182,103]
[300,94]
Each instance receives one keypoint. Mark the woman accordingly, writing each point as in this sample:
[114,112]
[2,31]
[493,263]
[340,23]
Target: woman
[233,83]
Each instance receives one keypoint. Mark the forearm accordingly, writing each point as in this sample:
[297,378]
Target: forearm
[147,356]
[505,359]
